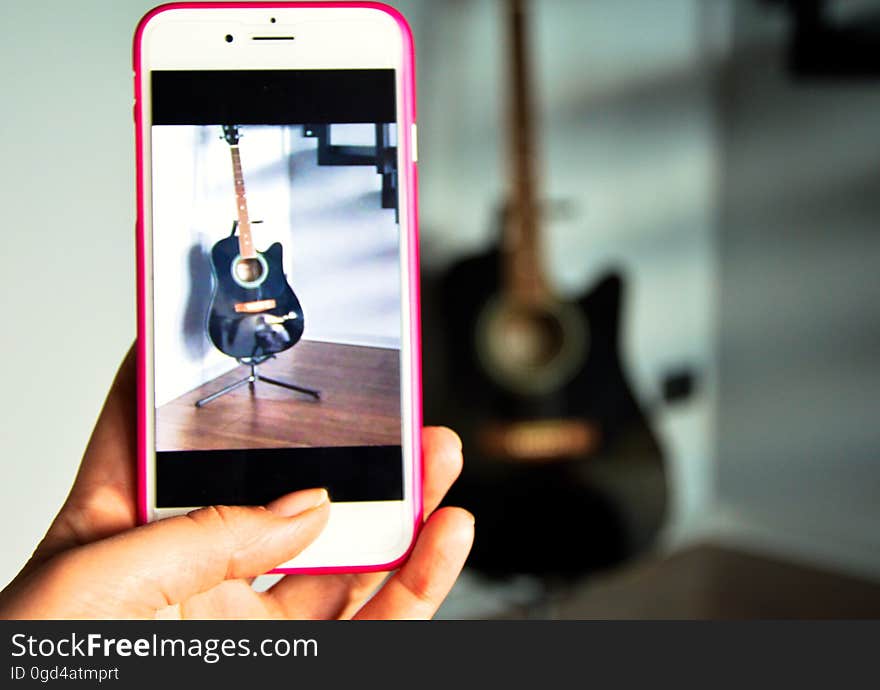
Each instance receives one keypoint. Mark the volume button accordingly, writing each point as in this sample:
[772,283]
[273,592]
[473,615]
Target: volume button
[415,144]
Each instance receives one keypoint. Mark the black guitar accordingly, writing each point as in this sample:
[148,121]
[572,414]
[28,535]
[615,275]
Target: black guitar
[561,468]
[254,313]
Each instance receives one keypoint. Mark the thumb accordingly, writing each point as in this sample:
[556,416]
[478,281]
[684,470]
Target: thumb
[166,562]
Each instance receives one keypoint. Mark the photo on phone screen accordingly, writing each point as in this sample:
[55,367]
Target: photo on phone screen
[276,288]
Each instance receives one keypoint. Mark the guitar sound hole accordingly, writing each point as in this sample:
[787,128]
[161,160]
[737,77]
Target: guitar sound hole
[249,270]
[527,339]
[531,349]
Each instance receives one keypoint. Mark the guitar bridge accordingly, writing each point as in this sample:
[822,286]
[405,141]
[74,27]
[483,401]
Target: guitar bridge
[255,307]
[544,440]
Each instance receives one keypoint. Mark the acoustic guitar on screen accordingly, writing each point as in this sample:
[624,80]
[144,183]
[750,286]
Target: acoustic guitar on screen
[254,312]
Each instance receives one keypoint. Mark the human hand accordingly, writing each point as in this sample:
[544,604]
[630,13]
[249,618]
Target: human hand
[95,562]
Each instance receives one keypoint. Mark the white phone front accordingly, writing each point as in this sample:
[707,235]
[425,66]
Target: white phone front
[278,275]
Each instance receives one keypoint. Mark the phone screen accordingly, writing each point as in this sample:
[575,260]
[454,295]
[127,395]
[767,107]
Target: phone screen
[276,291]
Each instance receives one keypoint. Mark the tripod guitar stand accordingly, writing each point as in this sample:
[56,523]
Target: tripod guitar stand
[253,378]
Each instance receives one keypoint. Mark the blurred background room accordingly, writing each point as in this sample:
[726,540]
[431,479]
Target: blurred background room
[650,272]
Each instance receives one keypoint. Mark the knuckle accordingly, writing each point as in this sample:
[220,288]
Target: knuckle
[420,585]
[225,527]
[217,523]
[214,517]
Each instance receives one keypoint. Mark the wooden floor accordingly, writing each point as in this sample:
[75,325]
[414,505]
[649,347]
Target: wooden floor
[711,582]
[360,403]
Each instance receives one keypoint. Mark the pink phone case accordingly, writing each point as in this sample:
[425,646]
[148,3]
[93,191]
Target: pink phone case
[410,198]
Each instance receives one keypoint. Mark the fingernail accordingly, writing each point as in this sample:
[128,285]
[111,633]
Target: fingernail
[299,502]
[457,438]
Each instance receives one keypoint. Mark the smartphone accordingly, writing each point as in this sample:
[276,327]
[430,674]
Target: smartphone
[278,305]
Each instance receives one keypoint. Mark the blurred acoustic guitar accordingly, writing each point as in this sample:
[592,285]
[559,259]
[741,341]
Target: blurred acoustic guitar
[562,471]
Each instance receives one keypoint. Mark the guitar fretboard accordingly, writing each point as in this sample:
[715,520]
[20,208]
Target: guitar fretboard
[245,241]
[523,270]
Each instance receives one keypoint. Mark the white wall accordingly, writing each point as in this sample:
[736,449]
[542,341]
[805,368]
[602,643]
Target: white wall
[798,469]
[190,213]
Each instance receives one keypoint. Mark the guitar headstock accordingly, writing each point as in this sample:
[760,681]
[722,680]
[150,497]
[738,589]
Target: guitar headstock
[231,134]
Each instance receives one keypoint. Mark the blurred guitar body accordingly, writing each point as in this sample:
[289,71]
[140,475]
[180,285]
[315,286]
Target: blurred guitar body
[562,471]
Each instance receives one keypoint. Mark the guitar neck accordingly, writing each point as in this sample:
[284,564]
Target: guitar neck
[523,269]
[245,240]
